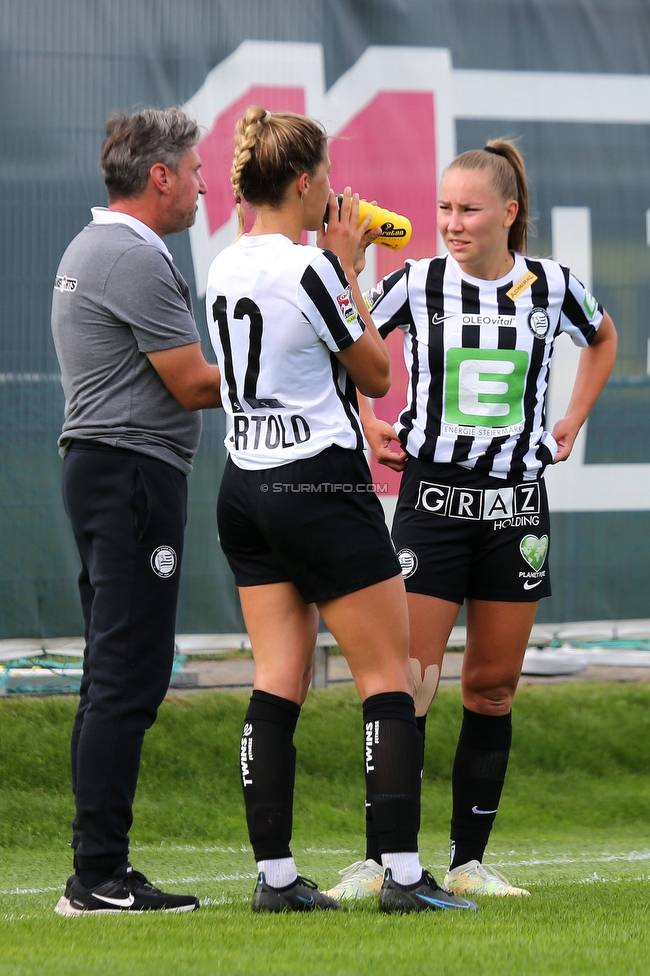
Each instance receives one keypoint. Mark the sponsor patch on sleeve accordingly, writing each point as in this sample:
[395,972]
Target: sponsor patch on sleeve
[372,296]
[346,305]
[589,304]
[63,283]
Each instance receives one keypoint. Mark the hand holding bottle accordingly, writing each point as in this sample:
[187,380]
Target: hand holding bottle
[395,229]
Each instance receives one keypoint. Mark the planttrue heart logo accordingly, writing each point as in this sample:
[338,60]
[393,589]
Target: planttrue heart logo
[534,550]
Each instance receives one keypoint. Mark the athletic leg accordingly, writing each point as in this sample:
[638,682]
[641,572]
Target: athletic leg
[282,629]
[497,638]
[371,628]
[375,619]
[430,622]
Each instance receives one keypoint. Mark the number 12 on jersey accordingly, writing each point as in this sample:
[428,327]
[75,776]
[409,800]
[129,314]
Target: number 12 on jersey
[245,308]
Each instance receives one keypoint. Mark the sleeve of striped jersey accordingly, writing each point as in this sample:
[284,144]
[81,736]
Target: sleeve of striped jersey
[388,302]
[325,298]
[581,315]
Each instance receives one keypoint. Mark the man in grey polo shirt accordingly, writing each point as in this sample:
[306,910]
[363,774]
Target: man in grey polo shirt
[134,380]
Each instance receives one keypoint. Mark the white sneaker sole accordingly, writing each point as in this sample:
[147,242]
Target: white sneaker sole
[63,907]
[473,893]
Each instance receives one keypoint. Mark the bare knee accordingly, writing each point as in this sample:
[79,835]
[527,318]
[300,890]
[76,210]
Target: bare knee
[489,701]
[391,675]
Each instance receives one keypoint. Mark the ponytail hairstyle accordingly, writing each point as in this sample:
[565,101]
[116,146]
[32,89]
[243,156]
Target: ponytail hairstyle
[504,162]
[271,150]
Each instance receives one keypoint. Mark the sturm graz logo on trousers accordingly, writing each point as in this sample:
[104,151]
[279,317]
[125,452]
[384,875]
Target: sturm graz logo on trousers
[164,561]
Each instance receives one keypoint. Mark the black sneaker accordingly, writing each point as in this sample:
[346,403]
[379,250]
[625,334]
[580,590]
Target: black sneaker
[126,891]
[302,895]
[424,896]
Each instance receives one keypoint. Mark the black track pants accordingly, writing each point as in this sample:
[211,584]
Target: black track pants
[128,515]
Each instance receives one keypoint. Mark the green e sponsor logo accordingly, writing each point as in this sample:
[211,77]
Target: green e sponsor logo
[485,387]
[589,304]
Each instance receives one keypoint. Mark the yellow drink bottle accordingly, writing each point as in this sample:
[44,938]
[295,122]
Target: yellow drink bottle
[396,229]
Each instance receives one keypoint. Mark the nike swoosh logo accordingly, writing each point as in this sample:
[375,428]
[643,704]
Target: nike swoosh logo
[437,902]
[476,810]
[120,902]
[306,901]
[439,319]
[529,585]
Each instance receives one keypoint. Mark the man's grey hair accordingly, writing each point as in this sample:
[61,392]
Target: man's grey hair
[134,143]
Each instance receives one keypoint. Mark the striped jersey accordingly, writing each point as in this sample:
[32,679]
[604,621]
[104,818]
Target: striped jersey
[478,354]
[277,314]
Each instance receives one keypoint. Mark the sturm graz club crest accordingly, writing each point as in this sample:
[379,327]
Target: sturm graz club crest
[163,561]
[408,562]
[538,322]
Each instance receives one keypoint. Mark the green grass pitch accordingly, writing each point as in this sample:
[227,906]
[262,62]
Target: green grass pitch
[573,828]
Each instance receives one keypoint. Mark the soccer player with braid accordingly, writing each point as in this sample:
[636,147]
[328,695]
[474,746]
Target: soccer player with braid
[298,520]
[472,523]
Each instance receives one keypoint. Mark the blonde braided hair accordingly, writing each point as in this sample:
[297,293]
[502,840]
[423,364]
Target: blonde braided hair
[271,149]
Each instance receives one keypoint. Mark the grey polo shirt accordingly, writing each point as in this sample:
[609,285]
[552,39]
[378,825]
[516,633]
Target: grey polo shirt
[118,296]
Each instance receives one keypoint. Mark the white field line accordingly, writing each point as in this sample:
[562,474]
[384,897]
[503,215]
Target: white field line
[196,849]
[191,849]
[577,859]
[596,879]
[327,850]
[204,879]
[605,858]
[31,891]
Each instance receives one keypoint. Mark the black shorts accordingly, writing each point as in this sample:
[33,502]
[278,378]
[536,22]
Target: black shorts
[462,534]
[315,522]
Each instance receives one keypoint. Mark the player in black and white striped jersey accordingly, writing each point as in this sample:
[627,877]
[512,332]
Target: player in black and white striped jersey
[298,520]
[472,522]
[289,395]
[479,359]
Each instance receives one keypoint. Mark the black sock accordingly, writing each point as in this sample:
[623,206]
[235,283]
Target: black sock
[93,871]
[393,752]
[372,842]
[268,767]
[91,879]
[477,780]
[421,722]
